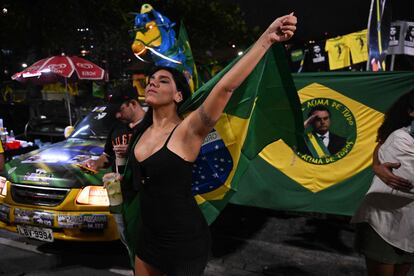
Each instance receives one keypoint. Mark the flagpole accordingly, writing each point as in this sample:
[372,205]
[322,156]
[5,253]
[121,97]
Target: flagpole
[68,101]
[303,60]
[369,31]
[380,14]
[392,62]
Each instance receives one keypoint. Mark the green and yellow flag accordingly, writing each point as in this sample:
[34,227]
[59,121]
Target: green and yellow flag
[282,179]
[184,44]
[264,109]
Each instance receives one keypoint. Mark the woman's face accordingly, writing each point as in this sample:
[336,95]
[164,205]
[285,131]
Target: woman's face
[161,89]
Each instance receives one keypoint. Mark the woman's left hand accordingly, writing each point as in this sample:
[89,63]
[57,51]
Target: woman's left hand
[282,28]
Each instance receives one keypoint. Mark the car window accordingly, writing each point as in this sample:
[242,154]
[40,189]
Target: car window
[96,124]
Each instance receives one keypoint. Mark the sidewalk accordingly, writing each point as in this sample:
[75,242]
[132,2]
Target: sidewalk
[19,258]
[252,242]
[235,257]
[246,242]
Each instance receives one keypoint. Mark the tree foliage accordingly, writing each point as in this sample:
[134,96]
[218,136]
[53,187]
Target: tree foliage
[31,30]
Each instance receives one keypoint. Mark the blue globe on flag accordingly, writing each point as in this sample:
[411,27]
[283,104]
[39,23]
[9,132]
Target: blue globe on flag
[212,166]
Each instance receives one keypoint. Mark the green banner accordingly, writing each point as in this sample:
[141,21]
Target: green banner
[184,43]
[250,122]
[282,179]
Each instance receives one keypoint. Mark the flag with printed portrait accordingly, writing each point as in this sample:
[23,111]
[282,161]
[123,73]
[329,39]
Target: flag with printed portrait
[281,178]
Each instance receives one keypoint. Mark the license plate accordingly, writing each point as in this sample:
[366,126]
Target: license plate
[43,234]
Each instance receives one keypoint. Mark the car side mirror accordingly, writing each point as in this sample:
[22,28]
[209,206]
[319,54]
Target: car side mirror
[68,131]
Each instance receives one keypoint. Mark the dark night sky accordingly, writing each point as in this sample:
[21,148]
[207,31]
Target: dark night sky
[319,19]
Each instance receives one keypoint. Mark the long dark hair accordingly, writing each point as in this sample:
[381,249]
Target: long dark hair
[180,80]
[182,86]
[397,116]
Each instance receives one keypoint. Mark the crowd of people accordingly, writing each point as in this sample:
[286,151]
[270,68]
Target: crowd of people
[161,146]
[157,149]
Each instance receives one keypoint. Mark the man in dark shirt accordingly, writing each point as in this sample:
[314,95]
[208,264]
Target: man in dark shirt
[129,112]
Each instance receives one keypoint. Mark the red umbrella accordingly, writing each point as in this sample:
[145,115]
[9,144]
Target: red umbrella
[60,68]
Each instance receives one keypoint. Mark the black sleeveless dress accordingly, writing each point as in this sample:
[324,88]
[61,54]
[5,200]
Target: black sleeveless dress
[174,235]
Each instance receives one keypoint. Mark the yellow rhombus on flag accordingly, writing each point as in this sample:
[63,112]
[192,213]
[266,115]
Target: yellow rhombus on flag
[284,179]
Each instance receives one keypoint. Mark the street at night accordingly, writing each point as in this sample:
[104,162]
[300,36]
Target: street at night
[206,138]
[246,242]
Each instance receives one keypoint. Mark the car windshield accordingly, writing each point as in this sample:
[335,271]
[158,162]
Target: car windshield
[96,124]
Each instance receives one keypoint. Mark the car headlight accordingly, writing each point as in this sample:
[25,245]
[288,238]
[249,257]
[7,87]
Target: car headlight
[3,186]
[93,195]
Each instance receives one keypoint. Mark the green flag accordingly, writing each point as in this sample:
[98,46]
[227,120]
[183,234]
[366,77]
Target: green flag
[282,179]
[98,90]
[184,44]
[264,109]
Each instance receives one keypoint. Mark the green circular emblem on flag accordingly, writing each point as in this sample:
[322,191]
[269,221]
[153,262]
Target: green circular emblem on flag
[330,132]
[351,119]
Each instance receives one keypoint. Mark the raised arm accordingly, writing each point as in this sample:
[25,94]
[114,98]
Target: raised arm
[384,172]
[309,121]
[204,118]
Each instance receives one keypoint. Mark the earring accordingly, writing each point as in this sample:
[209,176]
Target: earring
[180,98]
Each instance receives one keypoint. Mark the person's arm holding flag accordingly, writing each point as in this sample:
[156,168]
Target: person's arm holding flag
[204,118]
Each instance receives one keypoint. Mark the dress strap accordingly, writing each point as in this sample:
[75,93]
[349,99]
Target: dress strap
[169,136]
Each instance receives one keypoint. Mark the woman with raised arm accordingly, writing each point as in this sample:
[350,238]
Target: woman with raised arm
[173,236]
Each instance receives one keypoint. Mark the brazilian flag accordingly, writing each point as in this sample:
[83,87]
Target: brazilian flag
[184,45]
[264,109]
[284,179]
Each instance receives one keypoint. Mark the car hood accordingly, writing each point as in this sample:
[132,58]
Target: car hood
[56,165]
